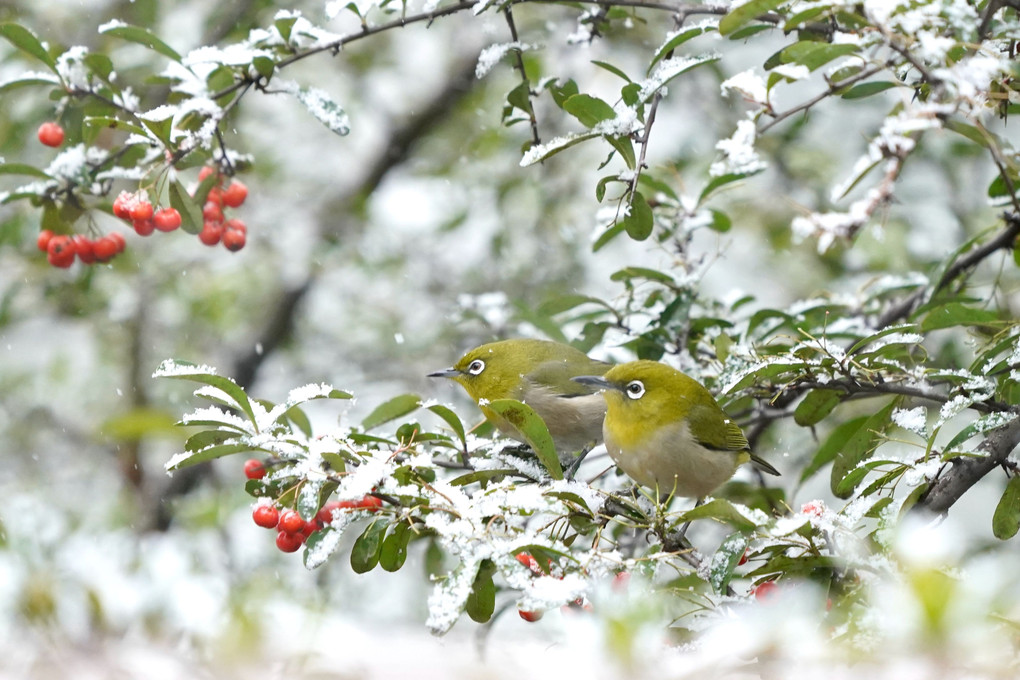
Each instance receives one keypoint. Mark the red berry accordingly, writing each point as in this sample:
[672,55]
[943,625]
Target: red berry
[325,514]
[291,522]
[60,251]
[266,516]
[51,134]
[743,559]
[104,248]
[122,205]
[254,469]
[235,194]
[529,616]
[118,240]
[235,235]
[368,502]
[142,210]
[289,543]
[205,172]
[83,248]
[621,580]
[144,227]
[529,561]
[764,591]
[215,195]
[212,212]
[310,528]
[167,219]
[211,233]
[43,240]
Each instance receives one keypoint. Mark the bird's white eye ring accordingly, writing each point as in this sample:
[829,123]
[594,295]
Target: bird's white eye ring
[476,367]
[635,389]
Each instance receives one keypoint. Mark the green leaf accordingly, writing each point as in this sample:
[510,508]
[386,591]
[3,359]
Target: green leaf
[99,122]
[22,169]
[308,500]
[725,560]
[1006,518]
[25,40]
[264,66]
[391,410]
[589,110]
[205,455]
[628,273]
[207,438]
[978,135]
[142,36]
[625,147]
[748,31]
[451,419]
[675,42]
[191,214]
[561,93]
[862,90]
[816,406]
[480,476]
[533,429]
[481,603]
[802,17]
[852,451]
[640,222]
[231,389]
[722,510]
[811,54]
[324,109]
[612,69]
[28,81]
[520,97]
[957,314]
[366,549]
[746,13]
[721,181]
[394,547]
[721,222]
[827,451]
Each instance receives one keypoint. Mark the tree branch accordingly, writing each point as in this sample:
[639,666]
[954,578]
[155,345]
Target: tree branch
[967,471]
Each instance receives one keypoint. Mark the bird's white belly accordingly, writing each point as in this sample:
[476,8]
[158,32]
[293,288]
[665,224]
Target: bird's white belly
[673,463]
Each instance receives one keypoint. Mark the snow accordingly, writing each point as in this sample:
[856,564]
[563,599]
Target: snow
[493,54]
[915,419]
[739,155]
[748,84]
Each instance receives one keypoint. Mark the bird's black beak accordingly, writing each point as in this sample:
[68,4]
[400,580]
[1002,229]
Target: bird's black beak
[448,373]
[595,381]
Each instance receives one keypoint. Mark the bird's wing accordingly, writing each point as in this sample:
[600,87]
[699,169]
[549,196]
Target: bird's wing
[556,375]
[714,430]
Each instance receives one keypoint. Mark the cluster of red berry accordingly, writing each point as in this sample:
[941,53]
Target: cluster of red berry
[215,227]
[292,529]
[145,219]
[61,249]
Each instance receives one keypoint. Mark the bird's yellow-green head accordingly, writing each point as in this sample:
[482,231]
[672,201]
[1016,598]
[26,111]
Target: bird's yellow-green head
[643,396]
[500,370]
[538,373]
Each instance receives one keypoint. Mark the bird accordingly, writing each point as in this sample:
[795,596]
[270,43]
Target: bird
[537,373]
[666,431]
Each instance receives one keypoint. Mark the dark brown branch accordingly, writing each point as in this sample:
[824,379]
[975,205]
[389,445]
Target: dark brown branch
[1004,239]
[964,472]
[519,65]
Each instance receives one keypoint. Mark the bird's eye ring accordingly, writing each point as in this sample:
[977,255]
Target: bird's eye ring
[476,367]
[635,389]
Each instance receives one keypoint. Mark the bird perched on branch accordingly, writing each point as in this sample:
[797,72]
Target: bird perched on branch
[538,373]
[666,431]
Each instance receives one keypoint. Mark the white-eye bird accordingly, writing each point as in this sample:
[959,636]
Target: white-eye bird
[666,431]
[537,373]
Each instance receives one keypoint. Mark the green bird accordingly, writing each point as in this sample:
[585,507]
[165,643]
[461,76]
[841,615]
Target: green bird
[537,373]
[666,431]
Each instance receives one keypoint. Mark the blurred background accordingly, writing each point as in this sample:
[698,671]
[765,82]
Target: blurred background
[372,259]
